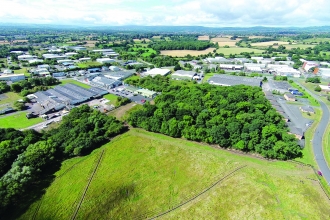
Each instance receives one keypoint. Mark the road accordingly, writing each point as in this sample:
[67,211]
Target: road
[318,137]
[39,126]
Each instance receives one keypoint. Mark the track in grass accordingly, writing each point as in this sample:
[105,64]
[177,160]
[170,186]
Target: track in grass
[86,188]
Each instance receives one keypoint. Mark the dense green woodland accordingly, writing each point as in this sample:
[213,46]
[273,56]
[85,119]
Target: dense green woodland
[27,158]
[238,117]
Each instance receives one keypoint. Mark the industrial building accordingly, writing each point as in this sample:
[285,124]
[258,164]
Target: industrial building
[146,93]
[61,96]
[290,97]
[229,80]
[119,75]
[54,56]
[157,71]
[217,60]
[231,67]
[307,109]
[104,82]
[105,60]
[12,77]
[182,74]
[26,57]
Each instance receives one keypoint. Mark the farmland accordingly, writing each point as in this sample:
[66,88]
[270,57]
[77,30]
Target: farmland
[182,53]
[269,43]
[167,172]
[18,121]
[204,37]
[237,50]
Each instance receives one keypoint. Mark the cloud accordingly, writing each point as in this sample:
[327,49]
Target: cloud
[169,12]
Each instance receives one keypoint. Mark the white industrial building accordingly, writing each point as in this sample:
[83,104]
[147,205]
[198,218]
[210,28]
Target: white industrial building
[114,68]
[157,71]
[12,77]
[103,50]
[26,57]
[309,64]
[63,61]
[84,59]
[323,72]
[105,82]
[182,74]
[36,61]
[217,60]
[105,60]
[54,56]
[231,67]
[69,54]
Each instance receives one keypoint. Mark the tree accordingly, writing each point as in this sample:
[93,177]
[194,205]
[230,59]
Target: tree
[177,67]
[318,89]
[19,106]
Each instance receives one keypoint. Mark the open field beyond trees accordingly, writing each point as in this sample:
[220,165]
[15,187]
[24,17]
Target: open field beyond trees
[140,174]
[182,53]
[269,43]
[238,50]
[204,37]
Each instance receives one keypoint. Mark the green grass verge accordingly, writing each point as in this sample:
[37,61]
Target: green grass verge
[9,101]
[238,50]
[143,172]
[18,121]
[23,70]
[207,76]
[66,81]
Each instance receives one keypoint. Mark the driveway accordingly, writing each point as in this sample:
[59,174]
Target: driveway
[318,137]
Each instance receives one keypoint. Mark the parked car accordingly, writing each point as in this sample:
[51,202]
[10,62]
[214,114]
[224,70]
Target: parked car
[143,100]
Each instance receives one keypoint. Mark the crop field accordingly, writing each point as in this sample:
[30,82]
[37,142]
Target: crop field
[227,43]
[138,40]
[18,121]
[65,81]
[139,175]
[182,53]
[316,40]
[302,46]
[205,37]
[224,39]
[238,50]
[269,43]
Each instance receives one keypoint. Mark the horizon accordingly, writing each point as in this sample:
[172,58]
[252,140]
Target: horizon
[209,13]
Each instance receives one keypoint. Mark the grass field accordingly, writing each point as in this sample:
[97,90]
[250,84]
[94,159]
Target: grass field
[182,53]
[18,121]
[224,39]
[204,37]
[11,97]
[112,99]
[23,70]
[269,43]
[207,76]
[122,112]
[142,174]
[88,64]
[65,81]
[237,50]
[301,46]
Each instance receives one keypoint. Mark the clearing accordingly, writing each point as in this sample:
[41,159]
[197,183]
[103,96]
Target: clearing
[66,81]
[122,112]
[8,99]
[182,53]
[88,64]
[205,37]
[142,174]
[18,121]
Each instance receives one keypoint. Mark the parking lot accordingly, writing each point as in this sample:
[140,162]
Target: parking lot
[120,91]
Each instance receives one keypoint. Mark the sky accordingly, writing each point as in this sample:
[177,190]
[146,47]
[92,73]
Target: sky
[210,13]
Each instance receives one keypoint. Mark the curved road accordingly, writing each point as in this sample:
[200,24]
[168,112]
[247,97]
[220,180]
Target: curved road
[318,137]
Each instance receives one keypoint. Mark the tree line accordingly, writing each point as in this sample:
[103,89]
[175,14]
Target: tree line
[27,158]
[238,117]
[181,45]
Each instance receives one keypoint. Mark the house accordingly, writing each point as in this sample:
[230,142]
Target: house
[157,71]
[105,60]
[182,74]
[289,97]
[297,132]
[307,109]
[146,93]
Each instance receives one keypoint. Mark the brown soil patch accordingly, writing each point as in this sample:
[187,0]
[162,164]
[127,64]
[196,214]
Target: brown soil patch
[205,37]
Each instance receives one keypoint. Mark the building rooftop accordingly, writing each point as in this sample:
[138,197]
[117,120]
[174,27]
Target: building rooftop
[184,73]
[157,71]
[229,80]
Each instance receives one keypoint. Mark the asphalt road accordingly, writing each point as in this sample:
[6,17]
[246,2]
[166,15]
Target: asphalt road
[318,137]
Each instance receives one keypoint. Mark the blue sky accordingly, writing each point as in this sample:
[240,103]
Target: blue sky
[214,13]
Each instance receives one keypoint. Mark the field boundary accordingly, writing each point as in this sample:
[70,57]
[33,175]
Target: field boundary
[199,194]
[87,186]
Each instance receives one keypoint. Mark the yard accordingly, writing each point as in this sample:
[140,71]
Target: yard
[18,121]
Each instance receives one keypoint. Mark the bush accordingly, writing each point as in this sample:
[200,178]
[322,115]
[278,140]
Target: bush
[313,80]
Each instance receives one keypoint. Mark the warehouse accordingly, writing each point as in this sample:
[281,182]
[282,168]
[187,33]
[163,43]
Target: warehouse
[119,75]
[105,60]
[104,82]
[146,93]
[229,80]
[61,96]
[231,67]
[182,74]
[157,71]
[26,57]
[12,77]
[54,56]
